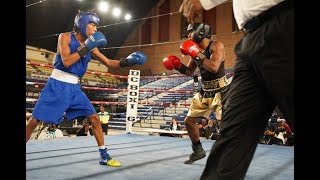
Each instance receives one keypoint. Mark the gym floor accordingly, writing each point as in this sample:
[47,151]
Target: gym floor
[143,157]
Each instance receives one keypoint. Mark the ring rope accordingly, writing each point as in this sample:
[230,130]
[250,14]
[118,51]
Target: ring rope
[120,90]
[113,75]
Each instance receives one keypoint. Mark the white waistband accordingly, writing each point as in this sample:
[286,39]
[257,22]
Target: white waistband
[64,76]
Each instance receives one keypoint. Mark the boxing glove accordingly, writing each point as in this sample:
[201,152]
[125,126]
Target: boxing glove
[192,49]
[134,58]
[172,62]
[95,40]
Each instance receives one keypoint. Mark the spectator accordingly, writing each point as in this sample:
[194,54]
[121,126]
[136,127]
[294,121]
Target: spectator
[282,134]
[212,130]
[175,125]
[269,134]
[49,132]
[286,126]
[202,123]
[86,129]
[104,119]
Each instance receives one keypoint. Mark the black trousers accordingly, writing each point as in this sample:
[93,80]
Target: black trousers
[263,78]
[105,128]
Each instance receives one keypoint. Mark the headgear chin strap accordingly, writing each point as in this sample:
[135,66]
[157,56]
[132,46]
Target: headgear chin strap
[84,18]
[201,31]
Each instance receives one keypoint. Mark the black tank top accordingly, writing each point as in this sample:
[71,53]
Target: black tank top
[207,75]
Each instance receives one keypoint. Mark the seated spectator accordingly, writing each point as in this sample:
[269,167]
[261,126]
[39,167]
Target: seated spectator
[212,130]
[175,126]
[86,129]
[282,134]
[202,123]
[49,132]
[286,126]
[269,134]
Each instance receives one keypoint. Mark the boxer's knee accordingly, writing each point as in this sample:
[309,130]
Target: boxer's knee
[94,119]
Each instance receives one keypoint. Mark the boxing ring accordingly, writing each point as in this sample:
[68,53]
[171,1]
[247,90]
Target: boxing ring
[143,157]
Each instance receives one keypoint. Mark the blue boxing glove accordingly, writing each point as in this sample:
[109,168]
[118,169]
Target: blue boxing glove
[133,58]
[95,40]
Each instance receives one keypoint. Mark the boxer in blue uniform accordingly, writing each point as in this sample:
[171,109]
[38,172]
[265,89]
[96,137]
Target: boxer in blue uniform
[62,93]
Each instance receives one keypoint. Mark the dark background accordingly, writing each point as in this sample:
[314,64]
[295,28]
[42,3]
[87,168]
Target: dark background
[46,20]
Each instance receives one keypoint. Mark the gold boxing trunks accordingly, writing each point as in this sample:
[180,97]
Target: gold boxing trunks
[203,105]
[215,84]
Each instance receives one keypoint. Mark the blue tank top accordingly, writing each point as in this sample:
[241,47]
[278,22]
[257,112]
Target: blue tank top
[80,67]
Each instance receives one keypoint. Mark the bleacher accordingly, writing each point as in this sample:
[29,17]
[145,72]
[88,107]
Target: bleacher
[145,111]
[42,72]
[118,120]
[148,112]
[101,80]
[180,119]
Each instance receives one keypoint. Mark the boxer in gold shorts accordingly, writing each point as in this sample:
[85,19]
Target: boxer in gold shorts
[209,56]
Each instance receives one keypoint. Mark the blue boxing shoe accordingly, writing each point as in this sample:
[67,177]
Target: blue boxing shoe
[105,159]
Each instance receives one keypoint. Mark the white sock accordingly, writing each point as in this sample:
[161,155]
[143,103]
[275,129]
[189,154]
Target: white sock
[102,147]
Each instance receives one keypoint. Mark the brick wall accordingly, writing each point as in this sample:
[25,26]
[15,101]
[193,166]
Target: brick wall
[157,51]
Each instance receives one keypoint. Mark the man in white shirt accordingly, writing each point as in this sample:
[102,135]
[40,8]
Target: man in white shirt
[263,78]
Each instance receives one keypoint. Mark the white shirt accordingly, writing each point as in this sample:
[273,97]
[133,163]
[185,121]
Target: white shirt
[174,127]
[243,10]
[45,134]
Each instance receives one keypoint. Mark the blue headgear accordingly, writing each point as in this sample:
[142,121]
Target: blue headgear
[201,31]
[83,18]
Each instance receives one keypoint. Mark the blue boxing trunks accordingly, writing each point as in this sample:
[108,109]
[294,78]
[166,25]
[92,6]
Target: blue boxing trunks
[62,94]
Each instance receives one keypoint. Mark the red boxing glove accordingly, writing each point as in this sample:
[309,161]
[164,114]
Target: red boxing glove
[192,49]
[172,62]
